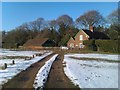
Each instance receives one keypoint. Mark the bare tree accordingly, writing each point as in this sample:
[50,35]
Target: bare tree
[38,24]
[90,18]
[53,24]
[113,17]
[65,19]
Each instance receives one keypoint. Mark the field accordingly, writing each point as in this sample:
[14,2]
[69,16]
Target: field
[20,62]
[6,56]
[92,70]
[73,70]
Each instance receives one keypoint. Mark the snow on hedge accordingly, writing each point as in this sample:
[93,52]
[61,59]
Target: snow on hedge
[43,73]
[91,73]
[13,70]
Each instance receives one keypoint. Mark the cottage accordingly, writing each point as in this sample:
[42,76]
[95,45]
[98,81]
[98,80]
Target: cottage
[77,41]
[39,43]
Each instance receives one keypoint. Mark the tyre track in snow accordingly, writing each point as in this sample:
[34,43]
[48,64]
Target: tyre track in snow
[25,79]
[57,77]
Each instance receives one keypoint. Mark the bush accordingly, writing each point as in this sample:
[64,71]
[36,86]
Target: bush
[107,45]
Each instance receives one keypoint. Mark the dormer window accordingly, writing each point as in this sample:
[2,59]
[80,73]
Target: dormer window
[81,37]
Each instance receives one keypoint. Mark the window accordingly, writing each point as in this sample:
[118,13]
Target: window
[72,45]
[81,37]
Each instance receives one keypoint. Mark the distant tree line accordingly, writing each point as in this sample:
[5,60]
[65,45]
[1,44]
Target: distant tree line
[61,29]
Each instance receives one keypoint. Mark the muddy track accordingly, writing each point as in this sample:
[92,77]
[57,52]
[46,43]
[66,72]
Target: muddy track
[25,79]
[57,78]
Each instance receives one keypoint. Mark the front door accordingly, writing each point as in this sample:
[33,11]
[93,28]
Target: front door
[80,45]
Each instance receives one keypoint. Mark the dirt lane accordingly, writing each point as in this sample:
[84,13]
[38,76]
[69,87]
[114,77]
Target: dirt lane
[26,78]
[57,78]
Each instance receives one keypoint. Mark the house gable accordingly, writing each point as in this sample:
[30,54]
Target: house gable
[80,37]
[71,41]
[77,41]
[81,31]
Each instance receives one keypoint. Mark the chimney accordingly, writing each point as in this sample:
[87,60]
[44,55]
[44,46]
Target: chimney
[91,28]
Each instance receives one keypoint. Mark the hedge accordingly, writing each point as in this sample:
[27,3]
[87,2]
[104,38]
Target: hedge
[10,45]
[107,45]
[102,45]
[90,44]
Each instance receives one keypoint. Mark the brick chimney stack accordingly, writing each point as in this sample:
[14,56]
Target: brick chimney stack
[91,28]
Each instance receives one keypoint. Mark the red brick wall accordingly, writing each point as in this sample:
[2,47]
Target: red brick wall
[77,40]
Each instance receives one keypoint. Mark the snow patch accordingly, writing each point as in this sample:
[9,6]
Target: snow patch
[89,55]
[4,52]
[13,70]
[92,74]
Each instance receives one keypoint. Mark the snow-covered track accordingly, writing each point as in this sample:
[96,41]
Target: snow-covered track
[43,73]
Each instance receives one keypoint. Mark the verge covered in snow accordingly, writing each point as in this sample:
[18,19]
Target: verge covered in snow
[102,56]
[13,70]
[92,74]
[43,73]
[20,55]
[4,52]
[9,61]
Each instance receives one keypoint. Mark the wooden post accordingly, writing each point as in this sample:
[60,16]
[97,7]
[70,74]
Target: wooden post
[33,56]
[13,62]
[5,65]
